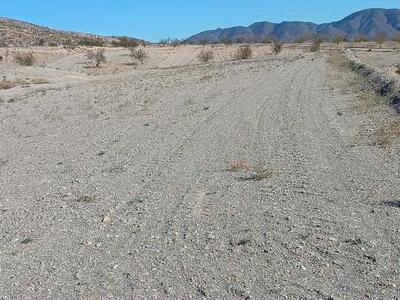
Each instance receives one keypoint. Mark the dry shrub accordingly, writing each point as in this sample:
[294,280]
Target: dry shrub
[139,54]
[126,42]
[243,52]
[260,171]
[277,48]
[206,55]
[97,57]
[316,45]
[5,85]
[25,58]
[238,166]
[386,134]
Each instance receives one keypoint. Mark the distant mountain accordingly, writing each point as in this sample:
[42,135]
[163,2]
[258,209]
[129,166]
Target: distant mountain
[14,33]
[368,23]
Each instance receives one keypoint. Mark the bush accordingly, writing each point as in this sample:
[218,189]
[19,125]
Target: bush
[126,42]
[243,52]
[206,55]
[139,54]
[97,57]
[316,45]
[91,42]
[277,48]
[25,59]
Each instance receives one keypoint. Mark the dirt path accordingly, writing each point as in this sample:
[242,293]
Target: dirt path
[120,190]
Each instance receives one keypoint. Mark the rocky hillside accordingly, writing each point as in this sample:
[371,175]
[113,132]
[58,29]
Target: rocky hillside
[14,33]
[368,23]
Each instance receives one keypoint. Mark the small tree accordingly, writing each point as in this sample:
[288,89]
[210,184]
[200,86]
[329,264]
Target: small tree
[97,57]
[164,42]
[243,52]
[139,54]
[226,41]
[277,48]
[206,55]
[175,43]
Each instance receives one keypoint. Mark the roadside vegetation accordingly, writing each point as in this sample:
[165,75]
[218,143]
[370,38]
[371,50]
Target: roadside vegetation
[382,124]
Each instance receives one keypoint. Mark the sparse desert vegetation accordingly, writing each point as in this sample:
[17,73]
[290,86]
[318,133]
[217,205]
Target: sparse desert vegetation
[277,48]
[196,172]
[96,57]
[243,52]
[316,45]
[139,55]
[206,55]
[24,58]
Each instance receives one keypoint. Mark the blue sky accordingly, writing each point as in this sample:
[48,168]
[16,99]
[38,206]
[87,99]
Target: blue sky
[156,19]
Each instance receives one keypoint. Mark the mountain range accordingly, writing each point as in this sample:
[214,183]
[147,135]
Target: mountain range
[368,23]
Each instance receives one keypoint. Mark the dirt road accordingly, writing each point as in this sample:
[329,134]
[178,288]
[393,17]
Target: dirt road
[120,189]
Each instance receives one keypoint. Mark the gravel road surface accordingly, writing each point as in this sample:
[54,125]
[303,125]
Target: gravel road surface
[147,185]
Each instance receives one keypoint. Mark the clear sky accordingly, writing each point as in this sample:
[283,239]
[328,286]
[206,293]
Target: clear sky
[156,19]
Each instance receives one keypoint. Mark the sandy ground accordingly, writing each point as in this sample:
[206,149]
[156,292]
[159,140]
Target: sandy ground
[143,184]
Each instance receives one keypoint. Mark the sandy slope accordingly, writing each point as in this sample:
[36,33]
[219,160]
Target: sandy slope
[164,219]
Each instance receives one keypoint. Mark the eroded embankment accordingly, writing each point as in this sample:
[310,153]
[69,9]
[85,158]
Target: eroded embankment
[383,84]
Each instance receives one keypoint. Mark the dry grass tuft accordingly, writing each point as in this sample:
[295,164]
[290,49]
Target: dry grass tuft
[6,84]
[386,134]
[238,166]
[258,171]
[261,172]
